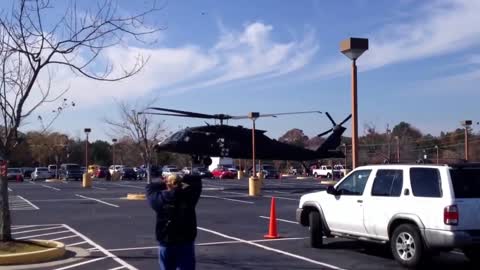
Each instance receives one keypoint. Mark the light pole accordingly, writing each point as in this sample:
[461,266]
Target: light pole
[466,124]
[436,148]
[345,153]
[398,148]
[353,48]
[87,131]
[114,141]
[253,190]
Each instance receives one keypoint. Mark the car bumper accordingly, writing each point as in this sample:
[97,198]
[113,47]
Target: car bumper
[450,239]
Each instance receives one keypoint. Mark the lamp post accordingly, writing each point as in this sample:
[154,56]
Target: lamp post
[436,148]
[253,190]
[353,48]
[398,148]
[114,141]
[466,124]
[87,131]
[345,153]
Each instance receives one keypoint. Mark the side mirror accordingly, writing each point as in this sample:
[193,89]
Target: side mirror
[331,190]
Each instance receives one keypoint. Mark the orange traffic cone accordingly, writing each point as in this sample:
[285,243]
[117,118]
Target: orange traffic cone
[272,228]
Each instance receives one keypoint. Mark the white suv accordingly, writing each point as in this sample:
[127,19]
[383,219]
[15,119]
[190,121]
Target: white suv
[417,209]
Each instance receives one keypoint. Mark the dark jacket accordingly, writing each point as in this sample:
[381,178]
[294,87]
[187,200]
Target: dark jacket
[176,218]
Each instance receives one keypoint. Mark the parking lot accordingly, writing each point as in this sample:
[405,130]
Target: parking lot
[111,232]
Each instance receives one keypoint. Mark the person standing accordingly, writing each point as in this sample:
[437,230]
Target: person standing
[174,201]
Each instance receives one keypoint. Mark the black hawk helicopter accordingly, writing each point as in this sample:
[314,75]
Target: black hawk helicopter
[221,140]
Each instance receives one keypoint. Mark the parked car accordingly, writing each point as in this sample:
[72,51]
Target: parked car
[419,210]
[115,168]
[15,174]
[70,171]
[323,171]
[169,171]
[40,173]
[202,171]
[128,173]
[102,172]
[268,171]
[27,172]
[223,173]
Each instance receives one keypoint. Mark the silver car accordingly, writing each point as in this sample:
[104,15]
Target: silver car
[41,173]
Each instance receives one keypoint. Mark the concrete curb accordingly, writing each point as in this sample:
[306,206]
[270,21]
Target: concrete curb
[136,196]
[55,250]
[302,177]
[328,182]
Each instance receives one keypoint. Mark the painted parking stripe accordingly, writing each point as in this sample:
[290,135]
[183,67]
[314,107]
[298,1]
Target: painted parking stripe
[76,244]
[99,188]
[81,263]
[123,185]
[272,249]
[97,200]
[20,203]
[45,234]
[36,230]
[57,189]
[106,252]
[279,219]
[227,199]
[65,237]
[9,189]
[117,268]
[206,244]
[281,198]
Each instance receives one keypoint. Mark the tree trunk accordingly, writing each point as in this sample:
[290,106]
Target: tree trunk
[5,220]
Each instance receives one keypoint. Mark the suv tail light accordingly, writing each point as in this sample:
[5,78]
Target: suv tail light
[450,215]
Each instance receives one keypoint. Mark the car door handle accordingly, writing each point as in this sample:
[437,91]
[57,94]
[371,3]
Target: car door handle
[360,201]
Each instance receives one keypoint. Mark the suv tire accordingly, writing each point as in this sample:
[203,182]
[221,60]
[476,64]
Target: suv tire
[473,254]
[407,246]
[329,175]
[316,233]
[315,175]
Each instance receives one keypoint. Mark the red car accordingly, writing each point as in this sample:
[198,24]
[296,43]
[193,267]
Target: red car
[223,173]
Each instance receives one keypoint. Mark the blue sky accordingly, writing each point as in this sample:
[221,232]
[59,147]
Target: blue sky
[234,57]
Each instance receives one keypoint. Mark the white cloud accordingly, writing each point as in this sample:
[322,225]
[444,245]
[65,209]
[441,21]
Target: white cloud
[249,54]
[440,27]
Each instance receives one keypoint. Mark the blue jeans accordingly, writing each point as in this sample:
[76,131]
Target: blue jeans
[177,257]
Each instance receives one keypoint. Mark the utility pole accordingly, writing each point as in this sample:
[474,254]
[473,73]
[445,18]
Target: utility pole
[466,124]
[398,148]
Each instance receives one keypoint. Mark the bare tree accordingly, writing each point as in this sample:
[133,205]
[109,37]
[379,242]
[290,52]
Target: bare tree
[141,128]
[30,46]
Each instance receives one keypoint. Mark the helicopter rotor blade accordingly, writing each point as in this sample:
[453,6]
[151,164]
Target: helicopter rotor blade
[331,119]
[324,133]
[276,114]
[178,115]
[186,113]
[345,120]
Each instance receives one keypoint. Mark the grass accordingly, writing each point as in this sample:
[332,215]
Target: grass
[13,247]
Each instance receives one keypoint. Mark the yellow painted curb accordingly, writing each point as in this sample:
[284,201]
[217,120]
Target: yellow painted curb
[54,181]
[136,196]
[328,182]
[55,250]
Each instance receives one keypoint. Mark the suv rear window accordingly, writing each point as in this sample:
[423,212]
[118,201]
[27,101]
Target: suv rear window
[466,182]
[425,182]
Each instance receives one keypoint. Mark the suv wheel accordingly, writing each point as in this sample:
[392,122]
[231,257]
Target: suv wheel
[315,175]
[406,245]
[473,254]
[329,175]
[316,234]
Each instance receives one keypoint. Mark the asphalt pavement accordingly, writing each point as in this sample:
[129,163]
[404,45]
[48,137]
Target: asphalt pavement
[119,234]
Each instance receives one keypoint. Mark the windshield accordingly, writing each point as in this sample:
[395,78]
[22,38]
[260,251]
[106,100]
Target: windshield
[173,170]
[73,167]
[466,183]
[13,170]
[42,169]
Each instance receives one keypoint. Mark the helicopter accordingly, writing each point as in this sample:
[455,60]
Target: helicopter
[219,140]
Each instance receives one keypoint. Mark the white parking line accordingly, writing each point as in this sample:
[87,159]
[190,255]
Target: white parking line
[106,252]
[57,189]
[9,189]
[45,234]
[81,263]
[227,199]
[122,185]
[279,219]
[99,188]
[76,244]
[272,249]
[36,230]
[281,198]
[65,237]
[236,193]
[206,244]
[31,204]
[97,200]
[117,268]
